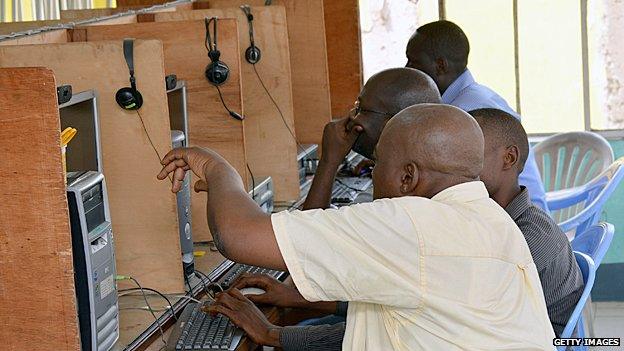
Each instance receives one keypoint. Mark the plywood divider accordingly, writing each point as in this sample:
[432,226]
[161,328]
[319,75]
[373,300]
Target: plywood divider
[11,27]
[210,125]
[271,148]
[37,295]
[143,209]
[344,53]
[49,37]
[308,58]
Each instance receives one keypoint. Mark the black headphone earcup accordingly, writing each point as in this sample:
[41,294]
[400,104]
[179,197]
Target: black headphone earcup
[217,72]
[253,55]
[129,99]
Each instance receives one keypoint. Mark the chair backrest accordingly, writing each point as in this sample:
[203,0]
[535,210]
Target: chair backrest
[588,269]
[591,197]
[595,241]
[569,160]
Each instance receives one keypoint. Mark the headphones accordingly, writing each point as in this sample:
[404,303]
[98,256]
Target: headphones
[253,53]
[217,71]
[129,98]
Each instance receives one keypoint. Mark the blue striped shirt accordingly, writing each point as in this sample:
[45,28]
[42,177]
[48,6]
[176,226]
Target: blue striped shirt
[469,95]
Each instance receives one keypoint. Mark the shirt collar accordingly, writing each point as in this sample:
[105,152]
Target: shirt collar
[460,83]
[464,192]
[519,204]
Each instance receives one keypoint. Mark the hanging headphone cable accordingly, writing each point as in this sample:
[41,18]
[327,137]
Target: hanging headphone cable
[278,108]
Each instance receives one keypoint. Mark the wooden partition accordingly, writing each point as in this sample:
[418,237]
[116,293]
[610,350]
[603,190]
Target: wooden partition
[143,209]
[77,15]
[37,296]
[49,37]
[11,27]
[344,53]
[210,125]
[308,57]
[271,147]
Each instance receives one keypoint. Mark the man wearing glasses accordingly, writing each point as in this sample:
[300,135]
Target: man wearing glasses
[384,95]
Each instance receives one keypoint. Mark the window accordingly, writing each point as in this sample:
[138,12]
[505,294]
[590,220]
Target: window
[559,63]
[33,10]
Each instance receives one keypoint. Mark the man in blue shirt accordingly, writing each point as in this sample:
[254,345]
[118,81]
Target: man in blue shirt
[441,50]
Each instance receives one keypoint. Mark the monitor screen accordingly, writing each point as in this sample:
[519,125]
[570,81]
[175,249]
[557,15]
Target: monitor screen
[82,152]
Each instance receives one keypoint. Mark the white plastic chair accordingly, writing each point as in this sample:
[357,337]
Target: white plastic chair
[569,160]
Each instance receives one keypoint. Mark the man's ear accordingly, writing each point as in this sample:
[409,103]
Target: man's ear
[512,154]
[442,66]
[409,178]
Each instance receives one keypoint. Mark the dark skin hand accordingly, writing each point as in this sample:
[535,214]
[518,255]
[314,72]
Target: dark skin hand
[242,312]
[338,138]
[279,294]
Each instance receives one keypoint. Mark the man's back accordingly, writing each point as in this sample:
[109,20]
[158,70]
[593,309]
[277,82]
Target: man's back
[559,274]
[447,273]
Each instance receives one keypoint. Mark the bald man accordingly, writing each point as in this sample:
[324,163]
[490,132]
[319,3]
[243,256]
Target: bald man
[383,96]
[433,263]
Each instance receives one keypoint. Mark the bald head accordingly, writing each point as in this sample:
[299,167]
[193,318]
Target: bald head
[427,148]
[398,88]
[384,95]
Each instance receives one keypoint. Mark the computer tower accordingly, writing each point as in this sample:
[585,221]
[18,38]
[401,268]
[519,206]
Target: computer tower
[184,211]
[94,260]
[91,230]
[263,194]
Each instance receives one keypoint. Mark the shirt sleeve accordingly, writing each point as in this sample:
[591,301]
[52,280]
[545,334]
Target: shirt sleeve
[313,338]
[365,253]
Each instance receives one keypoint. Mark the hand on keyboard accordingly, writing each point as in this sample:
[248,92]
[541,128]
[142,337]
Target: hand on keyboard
[244,313]
[276,293]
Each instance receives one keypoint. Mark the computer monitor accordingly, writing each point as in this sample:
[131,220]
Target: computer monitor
[84,151]
[178,115]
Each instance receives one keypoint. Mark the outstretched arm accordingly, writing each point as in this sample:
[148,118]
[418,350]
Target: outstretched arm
[241,230]
[337,141]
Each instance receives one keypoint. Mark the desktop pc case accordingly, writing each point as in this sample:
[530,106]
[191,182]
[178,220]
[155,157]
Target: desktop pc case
[262,194]
[94,260]
[91,231]
[184,211]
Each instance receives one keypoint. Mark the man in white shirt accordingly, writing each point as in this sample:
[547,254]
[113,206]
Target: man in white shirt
[432,264]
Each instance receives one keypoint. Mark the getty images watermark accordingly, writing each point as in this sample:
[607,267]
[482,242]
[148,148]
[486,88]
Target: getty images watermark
[586,341]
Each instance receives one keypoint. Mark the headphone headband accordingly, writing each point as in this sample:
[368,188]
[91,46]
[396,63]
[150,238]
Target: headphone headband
[128,48]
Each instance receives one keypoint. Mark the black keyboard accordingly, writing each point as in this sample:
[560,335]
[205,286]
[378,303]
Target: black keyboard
[240,268]
[197,330]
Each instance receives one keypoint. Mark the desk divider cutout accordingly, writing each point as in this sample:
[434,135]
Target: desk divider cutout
[143,209]
[37,295]
[210,125]
[271,148]
[308,61]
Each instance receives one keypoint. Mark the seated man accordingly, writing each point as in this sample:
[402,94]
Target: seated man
[433,263]
[506,150]
[441,50]
[383,96]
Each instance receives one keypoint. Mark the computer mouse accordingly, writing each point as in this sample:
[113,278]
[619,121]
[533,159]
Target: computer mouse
[252,291]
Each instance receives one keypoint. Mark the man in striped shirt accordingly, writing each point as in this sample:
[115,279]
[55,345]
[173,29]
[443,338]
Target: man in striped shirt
[506,150]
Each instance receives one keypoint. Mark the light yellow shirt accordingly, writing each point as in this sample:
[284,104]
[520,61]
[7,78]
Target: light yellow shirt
[448,273]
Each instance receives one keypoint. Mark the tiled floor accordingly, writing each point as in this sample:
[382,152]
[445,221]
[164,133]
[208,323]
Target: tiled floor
[609,322]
